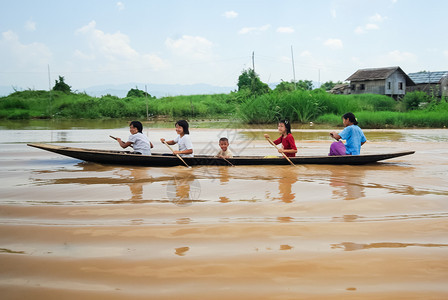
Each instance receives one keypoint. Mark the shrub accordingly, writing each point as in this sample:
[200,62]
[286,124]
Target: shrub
[413,100]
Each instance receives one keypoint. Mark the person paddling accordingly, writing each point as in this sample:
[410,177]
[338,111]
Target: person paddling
[183,140]
[137,140]
[352,134]
[289,147]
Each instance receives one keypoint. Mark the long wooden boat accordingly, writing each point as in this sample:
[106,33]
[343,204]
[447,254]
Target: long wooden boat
[164,160]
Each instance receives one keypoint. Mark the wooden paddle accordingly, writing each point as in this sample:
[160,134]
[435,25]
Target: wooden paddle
[284,155]
[227,161]
[178,156]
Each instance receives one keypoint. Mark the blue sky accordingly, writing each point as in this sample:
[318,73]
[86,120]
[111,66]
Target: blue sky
[100,42]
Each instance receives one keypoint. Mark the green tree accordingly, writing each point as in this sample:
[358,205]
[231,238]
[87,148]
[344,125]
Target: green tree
[285,86]
[306,85]
[62,86]
[137,93]
[413,100]
[249,80]
[329,85]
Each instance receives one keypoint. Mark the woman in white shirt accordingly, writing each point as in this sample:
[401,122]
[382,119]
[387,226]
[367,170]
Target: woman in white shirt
[183,139]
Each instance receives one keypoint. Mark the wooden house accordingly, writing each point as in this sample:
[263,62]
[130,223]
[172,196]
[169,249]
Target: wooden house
[391,81]
[433,83]
[340,89]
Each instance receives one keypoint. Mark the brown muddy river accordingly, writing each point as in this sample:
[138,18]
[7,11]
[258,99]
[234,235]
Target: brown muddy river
[76,230]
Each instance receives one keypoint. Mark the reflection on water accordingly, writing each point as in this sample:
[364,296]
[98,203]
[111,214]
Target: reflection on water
[183,190]
[285,188]
[347,246]
[181,251]
[347,183]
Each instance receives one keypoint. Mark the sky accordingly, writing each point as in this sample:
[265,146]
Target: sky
[101,42]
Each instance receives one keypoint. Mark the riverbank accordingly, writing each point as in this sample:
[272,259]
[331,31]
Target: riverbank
[300,107]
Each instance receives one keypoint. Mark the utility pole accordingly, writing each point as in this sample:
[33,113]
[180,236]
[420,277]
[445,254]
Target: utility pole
[253,61]
[293,69]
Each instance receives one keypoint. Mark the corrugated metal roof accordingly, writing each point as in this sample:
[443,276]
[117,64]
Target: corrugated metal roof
[427,77]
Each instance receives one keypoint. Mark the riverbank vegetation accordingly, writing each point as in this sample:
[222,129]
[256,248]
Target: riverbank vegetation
[252,104]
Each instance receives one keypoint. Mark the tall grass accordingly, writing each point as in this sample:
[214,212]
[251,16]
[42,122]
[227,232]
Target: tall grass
[372,111]
[40,104]
[305,106]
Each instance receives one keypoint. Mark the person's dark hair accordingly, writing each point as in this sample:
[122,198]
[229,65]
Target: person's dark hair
[184,125]
[224,139]
[287,125]
[351,117]
[138,125]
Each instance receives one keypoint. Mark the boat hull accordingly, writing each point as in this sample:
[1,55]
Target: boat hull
[160,160]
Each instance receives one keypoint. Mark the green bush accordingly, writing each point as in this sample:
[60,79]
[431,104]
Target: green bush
[413,100]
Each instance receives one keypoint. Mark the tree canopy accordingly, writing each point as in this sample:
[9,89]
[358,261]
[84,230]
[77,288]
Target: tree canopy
[137,93]
[249,80]
[329,85]
[62,86]
[289,86]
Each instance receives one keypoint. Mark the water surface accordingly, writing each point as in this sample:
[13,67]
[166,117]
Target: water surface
[71,229]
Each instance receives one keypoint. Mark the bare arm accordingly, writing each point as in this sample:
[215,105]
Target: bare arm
[123,144]
[168,142]
[280,150]
[188,151]
[334,135]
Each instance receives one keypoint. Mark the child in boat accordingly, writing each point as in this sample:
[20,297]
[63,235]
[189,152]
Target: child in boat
[183,139]
[225,151]
[352,134]
[137,140]
[286,139]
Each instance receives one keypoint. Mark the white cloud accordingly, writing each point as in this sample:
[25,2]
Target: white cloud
[305,53]
[377,18]
[446,53]
[372,26]
[192,47]
[360,30]
[334,44]
[230,14]
[113,46]
[30,25]
[398,57]
[114,49]
[26,56]
[120,5]
[247,30]
[285,30]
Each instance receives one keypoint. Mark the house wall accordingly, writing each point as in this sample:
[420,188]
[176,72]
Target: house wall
[368,86]
[444,86]
[394,85]
[397,84]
